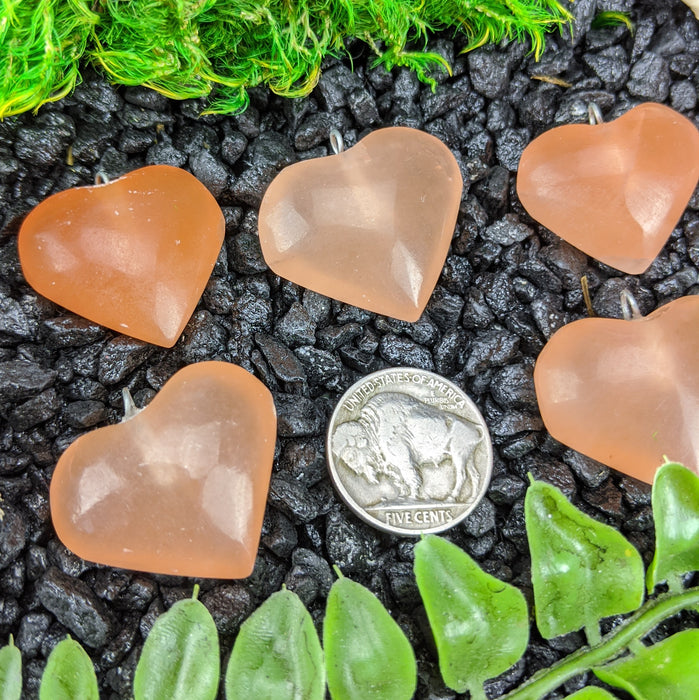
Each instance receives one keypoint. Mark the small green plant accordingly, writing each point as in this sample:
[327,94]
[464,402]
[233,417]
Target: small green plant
[10,672]
[582,572]
[367,655]
[69,674]
[180,658]
[277,653]
[189,48]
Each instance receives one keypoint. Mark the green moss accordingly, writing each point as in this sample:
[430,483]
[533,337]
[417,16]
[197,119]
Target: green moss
[41,43]
[197,48]
[612,19]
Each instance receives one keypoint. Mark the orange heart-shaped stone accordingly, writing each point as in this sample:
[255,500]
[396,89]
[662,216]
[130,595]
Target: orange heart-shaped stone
[370,226]
[613,190]
[625,393]
[181,487]
[133,254]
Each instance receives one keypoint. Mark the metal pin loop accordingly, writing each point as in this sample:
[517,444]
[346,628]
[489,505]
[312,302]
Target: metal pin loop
[594,114]
[336,141]
[629,306]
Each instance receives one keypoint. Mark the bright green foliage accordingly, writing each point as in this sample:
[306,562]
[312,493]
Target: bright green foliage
[668,669]
[69,674]
[277,654]
[676,513]
[187,48]
[480,624]
[10,672]
[180,659]
[367,655]
[41,43]
[582,570]
[592,693]
[612,19]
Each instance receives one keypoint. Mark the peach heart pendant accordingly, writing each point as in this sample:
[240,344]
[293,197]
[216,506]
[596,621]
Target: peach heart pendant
[181,487]
[626,392]
[370,226]
[613,190]
[133,254]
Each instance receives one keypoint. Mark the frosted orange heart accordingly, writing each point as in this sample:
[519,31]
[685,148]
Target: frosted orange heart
[625,393]
[181,487]
[133,255]
[613,190]
[370,226]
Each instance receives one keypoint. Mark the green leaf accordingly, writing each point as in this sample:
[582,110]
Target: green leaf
[676,512]
[10,672]
[582,570]
[69,674]
[180,658]
[367,656]
[480,624]
[592,693]
[277,654]
[667,669]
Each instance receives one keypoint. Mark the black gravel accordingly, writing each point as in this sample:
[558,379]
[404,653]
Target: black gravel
[506,287]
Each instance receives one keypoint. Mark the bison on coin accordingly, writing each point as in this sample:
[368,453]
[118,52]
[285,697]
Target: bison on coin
[399,438]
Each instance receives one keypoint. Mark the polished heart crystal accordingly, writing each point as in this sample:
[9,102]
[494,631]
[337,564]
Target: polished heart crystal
[181,487]
[626,392]
[133,254]
[614,190]
[370,226]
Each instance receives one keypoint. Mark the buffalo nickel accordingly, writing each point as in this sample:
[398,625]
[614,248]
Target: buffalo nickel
[408,451]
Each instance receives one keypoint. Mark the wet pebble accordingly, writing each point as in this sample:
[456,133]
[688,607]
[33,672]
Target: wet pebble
[297,416]
[202,339]
[120,357]
[36,410]
[589,471]
[507,231]
[14,532]
[320,366]
[75,606]
[404,352]
[293,498]
[296,327]
[352,546]
[278,533]
[20,379]
[71,331]
[230,604]
[31,633]
[650,78]
[310,576]
[489,71]
[513,387]
[209,171]
[491,348]
[84,414]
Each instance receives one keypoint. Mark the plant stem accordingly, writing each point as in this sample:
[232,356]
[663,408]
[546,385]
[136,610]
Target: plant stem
[634,628]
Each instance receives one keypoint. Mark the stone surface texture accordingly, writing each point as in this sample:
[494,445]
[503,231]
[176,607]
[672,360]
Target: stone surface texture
[508,283]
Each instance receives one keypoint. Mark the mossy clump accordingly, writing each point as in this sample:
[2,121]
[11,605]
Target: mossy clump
[196,48]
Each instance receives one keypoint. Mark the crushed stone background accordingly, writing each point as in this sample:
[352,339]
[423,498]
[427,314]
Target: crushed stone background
[507,285]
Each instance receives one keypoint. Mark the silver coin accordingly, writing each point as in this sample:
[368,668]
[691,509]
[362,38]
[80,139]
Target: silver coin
[408,451]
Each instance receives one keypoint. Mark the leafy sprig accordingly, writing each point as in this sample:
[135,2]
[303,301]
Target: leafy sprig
[189,48]
[480,624]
